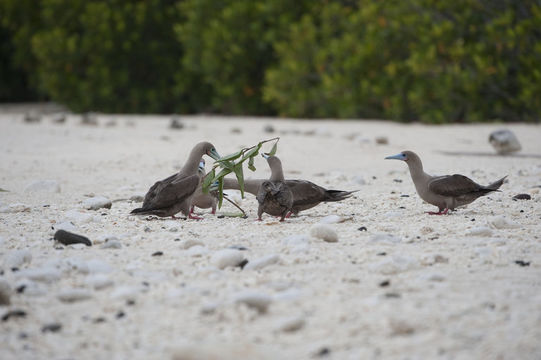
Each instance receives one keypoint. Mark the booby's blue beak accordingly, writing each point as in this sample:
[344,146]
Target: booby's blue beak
[202,165]
[214,154]
[265,155]
[400,156]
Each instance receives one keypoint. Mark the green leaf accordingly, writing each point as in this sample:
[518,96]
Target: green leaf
[251,153]
[251,164]
[240,178]
[221,174]
[208,180]
[273,150]
[230,156]
[226,164]
[220,192]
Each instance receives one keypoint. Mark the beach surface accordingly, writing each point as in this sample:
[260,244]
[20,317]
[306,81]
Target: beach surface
[398,283]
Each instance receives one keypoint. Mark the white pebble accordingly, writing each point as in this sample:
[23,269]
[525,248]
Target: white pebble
[186,244]
[50,186]
[17,258]
[44,274]
[480,231]
[226,258]
[74,295]
[385,238]
[262,262]
[324,232]
[253,299]
[96,203]
[332,219]
[504,141]
[111,244]
[395,265]
[500,222]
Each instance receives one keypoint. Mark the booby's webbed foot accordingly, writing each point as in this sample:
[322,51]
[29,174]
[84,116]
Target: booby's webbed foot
[444,212]
[191,216]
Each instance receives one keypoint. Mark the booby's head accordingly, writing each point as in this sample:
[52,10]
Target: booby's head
[404,156]
[210,150]
[271,159]
[271,187]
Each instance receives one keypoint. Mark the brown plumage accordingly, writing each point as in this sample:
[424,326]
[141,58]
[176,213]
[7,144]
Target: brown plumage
[274,198]
[174,194]
[446,192]
[306,194]
[202,200]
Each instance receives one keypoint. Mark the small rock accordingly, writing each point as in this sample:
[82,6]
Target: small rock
[262,262]
[157,253]
[522,197]
[227,258]
[255,300]
[324,232]
[14,208]
[66,238]
[48,186]
[236,130]
[480,231]
[385,238]
[74,295]
[504,141]
[426,230]
[401,328]
[291,324]
[269,129]
[58,118]
[385,283]
[238,247]
[5,293]
[176,124]
[13,314]
[89,119]
[32,117]
[97,202]
[522,263]
[17,258]
[362,228]
[382,140]
[500,222]
[53,327]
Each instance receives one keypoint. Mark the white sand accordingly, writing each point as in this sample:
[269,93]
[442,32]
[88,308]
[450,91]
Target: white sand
[452,295]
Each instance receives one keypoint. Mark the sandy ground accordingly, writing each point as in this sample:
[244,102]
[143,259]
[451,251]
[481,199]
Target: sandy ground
[412,286]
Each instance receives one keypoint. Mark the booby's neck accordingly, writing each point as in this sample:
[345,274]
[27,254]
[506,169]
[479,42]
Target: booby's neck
[191,165]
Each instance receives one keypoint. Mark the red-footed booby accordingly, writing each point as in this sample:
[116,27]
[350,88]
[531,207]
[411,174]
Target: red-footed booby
[174,194]
[447,192]
[274,196]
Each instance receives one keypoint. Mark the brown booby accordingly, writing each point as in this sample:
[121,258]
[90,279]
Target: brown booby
[274,195]
[447,192]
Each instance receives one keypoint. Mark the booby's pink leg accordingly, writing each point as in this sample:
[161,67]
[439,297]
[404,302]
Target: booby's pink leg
[289,214]
[194,217]
[444,212]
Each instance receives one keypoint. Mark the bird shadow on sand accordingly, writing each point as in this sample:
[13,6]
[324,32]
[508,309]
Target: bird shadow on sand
[486,154]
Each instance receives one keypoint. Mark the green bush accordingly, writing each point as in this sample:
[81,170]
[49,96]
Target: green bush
[423,60]
[228,46]
[110,55]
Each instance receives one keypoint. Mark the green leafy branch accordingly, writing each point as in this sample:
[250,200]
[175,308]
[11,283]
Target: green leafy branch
[232,163]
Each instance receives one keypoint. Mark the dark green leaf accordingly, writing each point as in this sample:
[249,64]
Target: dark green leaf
[230,156]
[274,148]
[251,153]
[208,180]
[251,164]
[220,192]
[240,178]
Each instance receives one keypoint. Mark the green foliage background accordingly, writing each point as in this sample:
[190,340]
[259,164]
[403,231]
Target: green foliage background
[427,60]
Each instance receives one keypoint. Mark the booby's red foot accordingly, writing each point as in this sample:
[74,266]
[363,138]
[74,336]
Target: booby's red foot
[444,212]
[213,212]
[289,214]
[194,217]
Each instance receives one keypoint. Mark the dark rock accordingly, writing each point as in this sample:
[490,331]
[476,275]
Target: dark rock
[385,283]
[404,195]
[325,351]
[383,253]
[243,263]
[362,228]
[14,314]
[397,180]
[120,314]
[392,295]
[20,289]
[98,320]
[176,124]
[66,238]
[522,197]
[54,327]
[158,253]
[522,263]
[238,247]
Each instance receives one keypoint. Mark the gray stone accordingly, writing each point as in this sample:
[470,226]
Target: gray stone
[254,299]
[96,203]
[74,295]
[504,141]
[262,262]
[227,258]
